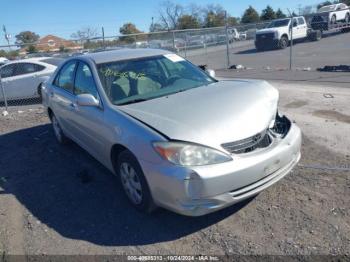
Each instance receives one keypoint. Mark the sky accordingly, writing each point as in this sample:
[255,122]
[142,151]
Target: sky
[64,17]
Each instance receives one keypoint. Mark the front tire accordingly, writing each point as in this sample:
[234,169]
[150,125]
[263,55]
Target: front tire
[333,19]
[134,183]
[283,43]
[347,18]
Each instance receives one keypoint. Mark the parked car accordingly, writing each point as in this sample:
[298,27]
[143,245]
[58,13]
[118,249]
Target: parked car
[3,61]
[22,79]
[278,33]
[232,34]
[175,136]
[243,35]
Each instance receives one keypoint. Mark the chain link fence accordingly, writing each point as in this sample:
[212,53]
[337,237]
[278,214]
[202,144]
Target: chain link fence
[250,50]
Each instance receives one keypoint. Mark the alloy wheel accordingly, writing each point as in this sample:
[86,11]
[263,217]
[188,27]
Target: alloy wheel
[131,183]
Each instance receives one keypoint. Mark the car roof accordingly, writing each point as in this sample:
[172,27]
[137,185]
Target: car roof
[33,59]
[124,54]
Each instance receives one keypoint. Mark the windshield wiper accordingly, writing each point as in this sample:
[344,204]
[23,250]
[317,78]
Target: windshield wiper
[132,101]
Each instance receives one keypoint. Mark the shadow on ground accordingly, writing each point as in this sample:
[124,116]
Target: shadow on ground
[70,192]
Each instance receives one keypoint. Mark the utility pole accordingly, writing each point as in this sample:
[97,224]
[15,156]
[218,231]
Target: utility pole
[227,41]
[7,36]
[152,25]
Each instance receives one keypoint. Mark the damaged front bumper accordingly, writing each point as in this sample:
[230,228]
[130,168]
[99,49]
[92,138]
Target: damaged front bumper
[200,190]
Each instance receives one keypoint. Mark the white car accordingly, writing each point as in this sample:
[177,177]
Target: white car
[3,61]
[22,79]
[336,12]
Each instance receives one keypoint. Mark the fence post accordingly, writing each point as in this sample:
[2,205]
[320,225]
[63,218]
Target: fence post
[206,48]
[291,40]
[174,41]
[103,38]
[227,42]
[4,96]
[185,44]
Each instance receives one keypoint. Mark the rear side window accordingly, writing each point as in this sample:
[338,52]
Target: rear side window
[65,78]
[84,81]
[8,71]
[301,21]
[28,68]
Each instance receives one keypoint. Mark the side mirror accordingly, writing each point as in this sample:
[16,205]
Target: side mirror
[87,100]
[210,72]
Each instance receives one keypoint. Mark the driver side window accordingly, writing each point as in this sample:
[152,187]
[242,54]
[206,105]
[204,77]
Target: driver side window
[84,81]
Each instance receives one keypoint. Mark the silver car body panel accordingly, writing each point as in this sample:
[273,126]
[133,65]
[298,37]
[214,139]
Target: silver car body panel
[211,115]
[226,111]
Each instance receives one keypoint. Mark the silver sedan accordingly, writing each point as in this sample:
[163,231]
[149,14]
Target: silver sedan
[175,136]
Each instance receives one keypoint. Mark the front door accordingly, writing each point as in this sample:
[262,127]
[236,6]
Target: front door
[89,120]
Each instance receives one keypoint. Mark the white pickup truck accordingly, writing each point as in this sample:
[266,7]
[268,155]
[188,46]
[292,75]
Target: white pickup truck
[278,33]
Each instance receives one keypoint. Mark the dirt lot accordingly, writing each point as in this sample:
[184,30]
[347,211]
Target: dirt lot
[59,200]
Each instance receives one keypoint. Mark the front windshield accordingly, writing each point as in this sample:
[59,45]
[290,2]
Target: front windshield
[278,23]
[142,79]
[327,8]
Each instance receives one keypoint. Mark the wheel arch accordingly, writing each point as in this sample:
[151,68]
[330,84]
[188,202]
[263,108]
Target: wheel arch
[115,152]
[285,35]
[49,112]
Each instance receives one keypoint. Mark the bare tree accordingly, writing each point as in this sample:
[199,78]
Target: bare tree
[169,14]
[195,11]
[85,33]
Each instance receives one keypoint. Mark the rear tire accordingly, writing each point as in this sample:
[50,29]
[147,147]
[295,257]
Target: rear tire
[134,183]
[283,43]
[60,136]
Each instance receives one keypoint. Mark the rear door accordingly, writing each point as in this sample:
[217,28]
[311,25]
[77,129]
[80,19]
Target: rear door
[302,27]
[8,75]
[62,99]
[27,79]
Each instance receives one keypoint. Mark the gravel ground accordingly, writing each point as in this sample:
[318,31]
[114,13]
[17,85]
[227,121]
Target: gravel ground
[59,200]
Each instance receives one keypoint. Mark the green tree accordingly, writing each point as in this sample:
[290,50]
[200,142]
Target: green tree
[214,16]
[280,14]
[127,29]
[250,16]
[26,37]
[188,22]
[268,14]
[232,21]
[32,49]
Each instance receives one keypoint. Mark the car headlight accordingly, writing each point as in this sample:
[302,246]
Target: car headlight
[187,154]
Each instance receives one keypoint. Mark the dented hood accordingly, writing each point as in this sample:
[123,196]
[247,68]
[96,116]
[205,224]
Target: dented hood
[211,115]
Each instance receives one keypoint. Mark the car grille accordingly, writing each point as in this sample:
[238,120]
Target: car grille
[249,144]
[267,36]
